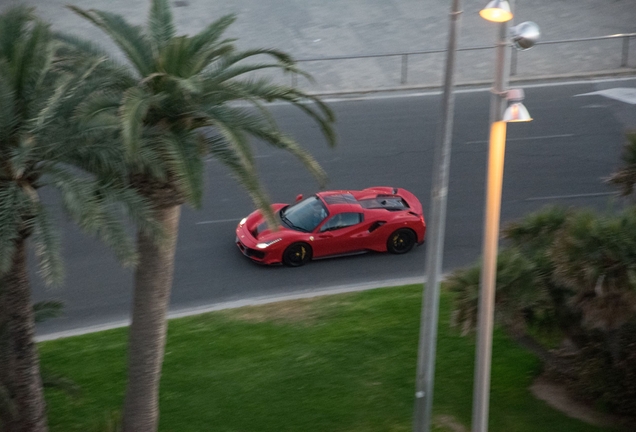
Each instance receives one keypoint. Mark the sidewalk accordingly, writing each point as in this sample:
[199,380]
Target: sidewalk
[315,29]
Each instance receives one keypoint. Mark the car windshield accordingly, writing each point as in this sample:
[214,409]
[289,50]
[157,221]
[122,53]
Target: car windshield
[305,215]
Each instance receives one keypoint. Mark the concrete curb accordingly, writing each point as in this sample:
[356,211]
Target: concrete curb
[468,84]
[254,301]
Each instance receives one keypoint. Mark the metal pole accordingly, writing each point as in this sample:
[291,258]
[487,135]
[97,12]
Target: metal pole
[481,393]
[435,240]
[625,54]
[497,140]
[405,64]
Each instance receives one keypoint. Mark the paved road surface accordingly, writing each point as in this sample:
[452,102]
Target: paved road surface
[316,29]
[560,157]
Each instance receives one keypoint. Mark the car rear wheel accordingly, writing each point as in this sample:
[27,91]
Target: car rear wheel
[401,241]
[297,254]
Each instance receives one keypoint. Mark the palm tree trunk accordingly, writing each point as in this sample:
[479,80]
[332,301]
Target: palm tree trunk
[22,374]
[153,281]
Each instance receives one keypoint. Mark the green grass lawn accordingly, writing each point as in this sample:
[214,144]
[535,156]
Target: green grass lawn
[337,363]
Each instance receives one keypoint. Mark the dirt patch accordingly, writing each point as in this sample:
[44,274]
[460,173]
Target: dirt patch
[449,423]
[557,397]
[296,311]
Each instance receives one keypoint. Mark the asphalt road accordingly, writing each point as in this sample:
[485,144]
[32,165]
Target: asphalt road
[560,157]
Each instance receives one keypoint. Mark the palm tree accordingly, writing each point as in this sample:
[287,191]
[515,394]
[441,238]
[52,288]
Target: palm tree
[521,301]
[625,178]
[535,235]
[595,257]
[177,111]
[528,301]
[572,271]
[40,147]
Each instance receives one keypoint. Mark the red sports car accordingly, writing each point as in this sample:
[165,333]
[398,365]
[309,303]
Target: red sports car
[334,223]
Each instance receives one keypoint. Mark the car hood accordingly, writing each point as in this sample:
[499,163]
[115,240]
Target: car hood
[257,224]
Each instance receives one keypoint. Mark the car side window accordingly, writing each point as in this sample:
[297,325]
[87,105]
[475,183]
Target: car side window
[342,220]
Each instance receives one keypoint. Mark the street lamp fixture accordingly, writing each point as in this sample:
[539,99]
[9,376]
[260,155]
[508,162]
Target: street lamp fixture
[496,11]
[524,36]
[516,111]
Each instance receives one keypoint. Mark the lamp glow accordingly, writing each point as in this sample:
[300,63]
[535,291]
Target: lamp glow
[496,11]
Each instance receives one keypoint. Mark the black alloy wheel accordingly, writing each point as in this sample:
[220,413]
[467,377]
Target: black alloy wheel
[297,254]
[401,241]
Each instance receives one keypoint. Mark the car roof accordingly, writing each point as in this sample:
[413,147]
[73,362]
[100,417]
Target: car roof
[340,201]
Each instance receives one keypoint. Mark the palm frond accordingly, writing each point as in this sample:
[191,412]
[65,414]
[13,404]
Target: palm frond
[175,58]
[76,52]
[254,126]
[465,284]
[325,117]
[8,119]
[284,60]
[130,39]
[189,86]
[223,72]
[203,58]
[134,107]
[234,122]
[100,107]
[185,162]
[211,34]
[20,157]
[46,241]
[284,142]
[134,208]
[49,110]
[13,24]
[45,310]
[149,161]
[32,60]
[87,203]
[264,90]
[232,156]
[160,26]
[537,230]
[625,177]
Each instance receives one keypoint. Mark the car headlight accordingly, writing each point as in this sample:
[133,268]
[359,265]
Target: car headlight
[269,243]
[242,222]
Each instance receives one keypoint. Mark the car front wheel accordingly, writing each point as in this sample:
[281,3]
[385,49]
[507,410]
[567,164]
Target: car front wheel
[401,241]
[297,254]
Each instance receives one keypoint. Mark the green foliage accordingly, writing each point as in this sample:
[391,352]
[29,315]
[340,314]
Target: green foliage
[41,145]
[177,107]
[595,257]
[572,273]
[46,310]
[608,379]
[521,300]
[625,178]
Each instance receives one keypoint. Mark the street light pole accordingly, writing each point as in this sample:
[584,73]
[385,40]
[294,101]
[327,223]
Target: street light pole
[481,392]
[435,240]
[497,145]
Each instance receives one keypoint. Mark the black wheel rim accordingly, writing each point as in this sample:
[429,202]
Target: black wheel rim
[401,242]
[297,254]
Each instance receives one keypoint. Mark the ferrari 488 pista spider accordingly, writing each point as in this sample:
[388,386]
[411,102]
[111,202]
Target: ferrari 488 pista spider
[334,223]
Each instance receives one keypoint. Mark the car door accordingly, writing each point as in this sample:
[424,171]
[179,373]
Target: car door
[337,235]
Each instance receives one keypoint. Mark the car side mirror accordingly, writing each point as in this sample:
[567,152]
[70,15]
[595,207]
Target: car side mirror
[299,197]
